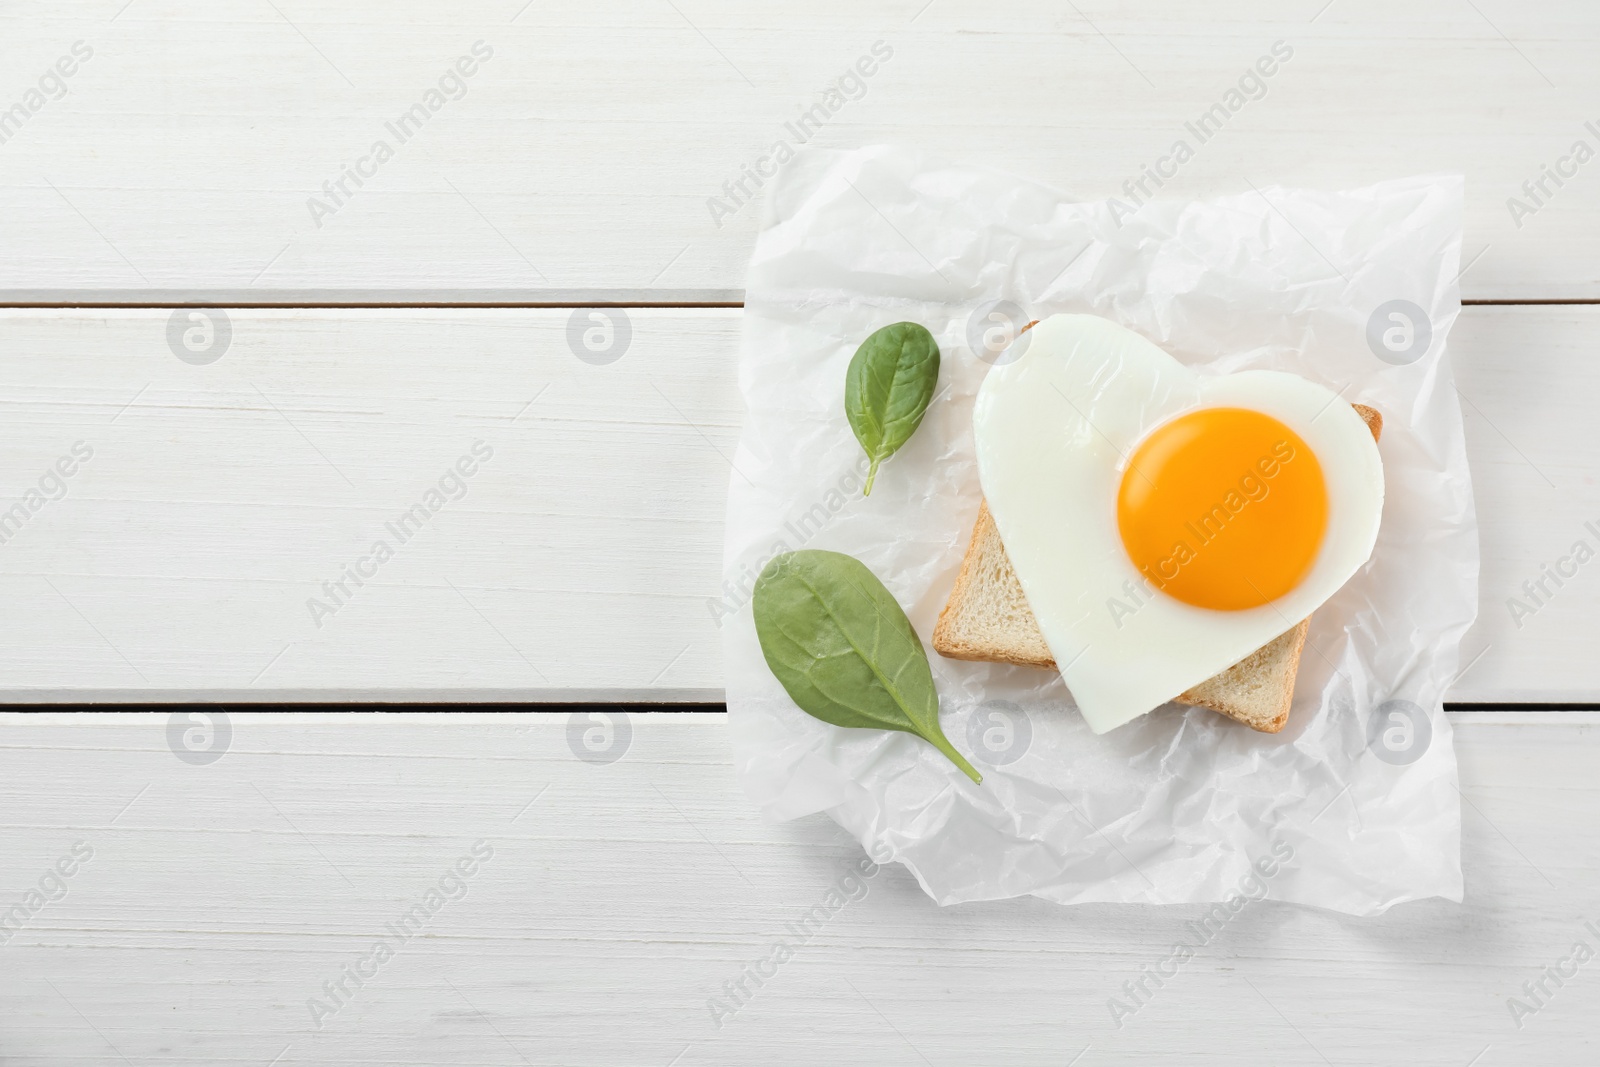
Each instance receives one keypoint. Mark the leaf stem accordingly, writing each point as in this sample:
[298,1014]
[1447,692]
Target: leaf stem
[872,472]
[943,744]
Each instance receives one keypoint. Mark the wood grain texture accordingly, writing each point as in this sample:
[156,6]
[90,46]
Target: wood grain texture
[620,898]
[584,155]
[582,562]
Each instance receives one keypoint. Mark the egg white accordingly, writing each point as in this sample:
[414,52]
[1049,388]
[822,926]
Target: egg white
[1053,430]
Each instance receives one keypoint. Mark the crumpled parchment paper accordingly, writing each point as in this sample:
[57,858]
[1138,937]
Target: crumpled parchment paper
[1354,805]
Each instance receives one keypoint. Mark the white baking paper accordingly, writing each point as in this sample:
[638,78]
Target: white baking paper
[1352,807]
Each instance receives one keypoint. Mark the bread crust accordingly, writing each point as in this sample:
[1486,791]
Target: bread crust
[950,639]
[1201,696]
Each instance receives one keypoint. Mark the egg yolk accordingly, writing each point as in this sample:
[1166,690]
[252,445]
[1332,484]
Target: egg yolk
[1223,508]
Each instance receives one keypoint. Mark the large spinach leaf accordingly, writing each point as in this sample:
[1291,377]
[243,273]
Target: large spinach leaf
[843,649]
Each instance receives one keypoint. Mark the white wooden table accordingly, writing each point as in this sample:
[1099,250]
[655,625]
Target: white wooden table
[355,349]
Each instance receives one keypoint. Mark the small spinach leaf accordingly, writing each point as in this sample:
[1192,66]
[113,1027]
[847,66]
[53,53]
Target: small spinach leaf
[888,388]
[843,649]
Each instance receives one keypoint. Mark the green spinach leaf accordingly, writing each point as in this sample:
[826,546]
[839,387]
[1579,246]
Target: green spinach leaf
[888,388]
[843,649]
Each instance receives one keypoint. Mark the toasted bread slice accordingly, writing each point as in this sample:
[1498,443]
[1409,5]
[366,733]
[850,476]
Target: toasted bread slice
[987,618]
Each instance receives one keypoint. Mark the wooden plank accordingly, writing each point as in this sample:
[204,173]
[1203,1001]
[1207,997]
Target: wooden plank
[620,898]
[583,559]
[585,154]
[186,554]
[1529,388]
